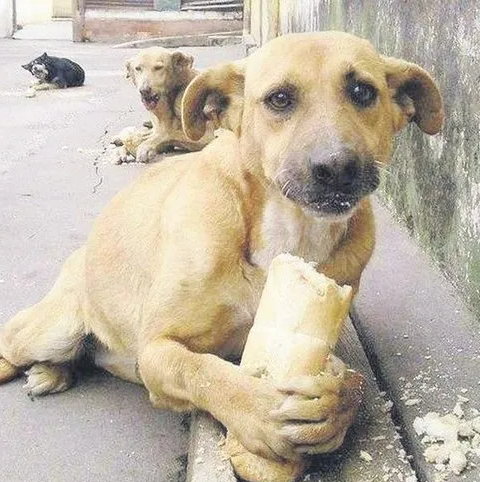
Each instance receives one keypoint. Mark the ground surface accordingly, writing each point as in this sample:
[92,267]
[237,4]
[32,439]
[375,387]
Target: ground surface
[54,180]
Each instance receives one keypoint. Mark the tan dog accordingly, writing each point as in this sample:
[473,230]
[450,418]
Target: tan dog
[161,78]
[175,291]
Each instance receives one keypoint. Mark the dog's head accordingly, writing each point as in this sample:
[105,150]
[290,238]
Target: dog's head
[38,67]
[157,73]
[318,111]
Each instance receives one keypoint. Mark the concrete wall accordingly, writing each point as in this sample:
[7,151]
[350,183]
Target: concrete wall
[34,11]
[434,182]
[6,18]
[62,8]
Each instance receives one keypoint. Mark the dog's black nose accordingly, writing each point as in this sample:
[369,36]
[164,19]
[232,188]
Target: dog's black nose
[338,170]
[146,92]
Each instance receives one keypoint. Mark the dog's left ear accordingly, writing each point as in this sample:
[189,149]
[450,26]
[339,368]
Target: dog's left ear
[26,67]
[181,60]
[128,69]
[44,55]
[215,95]
[415,94]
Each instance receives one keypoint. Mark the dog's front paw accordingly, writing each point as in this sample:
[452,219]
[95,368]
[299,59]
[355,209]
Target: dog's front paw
[250,422]
[146,153]
[30,92]
[319,409]
[118,154]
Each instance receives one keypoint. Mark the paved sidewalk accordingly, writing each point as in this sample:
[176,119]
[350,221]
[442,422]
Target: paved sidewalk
[54,180]
[53,30]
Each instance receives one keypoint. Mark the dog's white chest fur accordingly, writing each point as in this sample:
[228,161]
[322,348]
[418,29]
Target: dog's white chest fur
[286,228]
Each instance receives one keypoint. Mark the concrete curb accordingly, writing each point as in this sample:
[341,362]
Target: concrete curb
[206,460]
[218,39]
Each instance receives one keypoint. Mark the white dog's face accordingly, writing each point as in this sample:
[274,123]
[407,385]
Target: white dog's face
[156,72]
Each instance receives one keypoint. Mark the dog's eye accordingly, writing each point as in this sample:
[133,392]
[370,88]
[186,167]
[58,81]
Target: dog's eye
[158,67]
[280,100]
[362,94]
[138,68]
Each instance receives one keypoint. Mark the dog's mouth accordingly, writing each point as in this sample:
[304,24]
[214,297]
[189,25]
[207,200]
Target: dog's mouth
[150,100]
[328,201]
[333,204]
[39,71]
[329,205]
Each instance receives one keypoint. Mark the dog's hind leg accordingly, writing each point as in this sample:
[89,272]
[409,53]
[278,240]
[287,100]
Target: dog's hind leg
[43,378]
[7,371]
[48,336]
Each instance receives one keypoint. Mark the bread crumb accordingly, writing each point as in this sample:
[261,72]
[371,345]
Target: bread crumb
[458,461]
[451,439]
[365,456]
[458,411]
[387,406]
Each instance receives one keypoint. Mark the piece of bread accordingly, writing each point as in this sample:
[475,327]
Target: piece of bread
[296,327]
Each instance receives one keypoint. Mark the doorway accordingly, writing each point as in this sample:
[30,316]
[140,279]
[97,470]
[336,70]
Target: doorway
[43,19]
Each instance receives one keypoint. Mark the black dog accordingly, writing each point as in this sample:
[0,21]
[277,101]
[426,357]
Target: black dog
[55,72]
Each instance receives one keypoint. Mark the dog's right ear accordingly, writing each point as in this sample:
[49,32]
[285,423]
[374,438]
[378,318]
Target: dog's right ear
[215,95]
[26,67]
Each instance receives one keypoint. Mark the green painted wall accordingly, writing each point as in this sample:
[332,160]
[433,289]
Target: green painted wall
[166,4]
[433,183]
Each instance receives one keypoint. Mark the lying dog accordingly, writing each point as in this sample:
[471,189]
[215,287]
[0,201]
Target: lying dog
[310,121]
[54,73]
[161,78]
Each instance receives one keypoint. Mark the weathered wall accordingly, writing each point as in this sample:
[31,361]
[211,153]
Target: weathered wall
[6,18]
[62,8]
[33,11]
[434,182]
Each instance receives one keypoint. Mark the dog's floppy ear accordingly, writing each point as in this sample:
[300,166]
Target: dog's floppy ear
[215,95]
[128,69]
[181,60]
[416,95]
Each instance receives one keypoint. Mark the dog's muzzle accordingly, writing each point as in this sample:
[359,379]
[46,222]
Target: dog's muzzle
[335,183]
[149,98]
[339,181]
[39,71]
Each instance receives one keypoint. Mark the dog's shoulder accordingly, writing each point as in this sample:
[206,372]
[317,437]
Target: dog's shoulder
[214,179]
[203,192]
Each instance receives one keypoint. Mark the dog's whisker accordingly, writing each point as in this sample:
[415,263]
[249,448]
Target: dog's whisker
[279,173]
[284,188]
